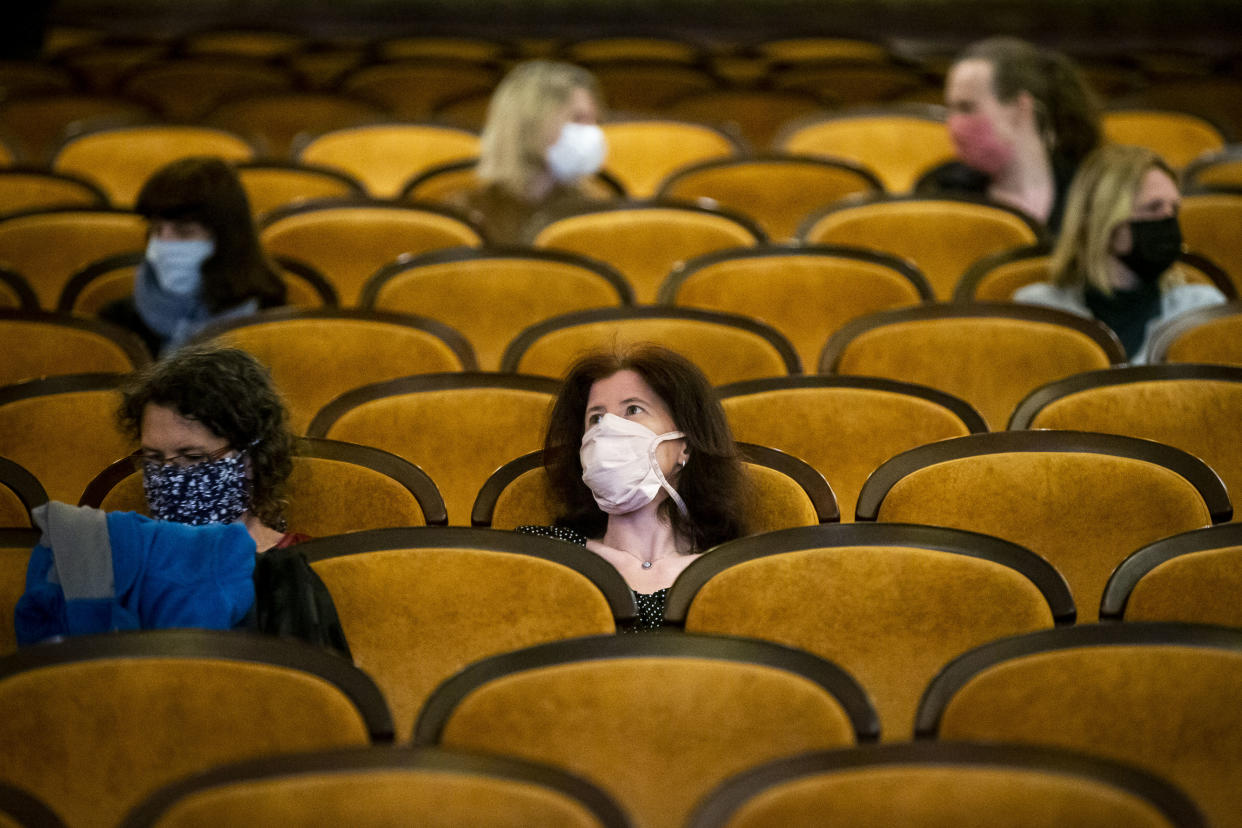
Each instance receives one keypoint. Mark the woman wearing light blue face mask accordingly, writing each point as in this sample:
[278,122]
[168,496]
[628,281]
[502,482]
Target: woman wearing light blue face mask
[540,146]
[645,469]
[203,260]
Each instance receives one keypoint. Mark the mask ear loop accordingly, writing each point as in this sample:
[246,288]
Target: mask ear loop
[659,473]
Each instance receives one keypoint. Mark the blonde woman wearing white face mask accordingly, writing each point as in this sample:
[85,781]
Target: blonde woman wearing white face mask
[644,466]
[540,142]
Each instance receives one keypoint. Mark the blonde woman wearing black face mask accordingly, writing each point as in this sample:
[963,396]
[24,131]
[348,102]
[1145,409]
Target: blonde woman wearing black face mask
[540,144]
[1116,257]
[644,467]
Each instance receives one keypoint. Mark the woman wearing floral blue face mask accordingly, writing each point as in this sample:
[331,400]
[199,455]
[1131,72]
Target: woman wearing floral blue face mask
[1116,258]
[215,448]
[203,260]
[540,146]
[644,466]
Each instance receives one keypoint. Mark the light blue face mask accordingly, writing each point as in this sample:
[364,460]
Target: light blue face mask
[178,265]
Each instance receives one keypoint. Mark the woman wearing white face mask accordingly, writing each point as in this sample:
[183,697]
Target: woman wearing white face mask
[540,142]
[644,466]
[1021,119]
[203,259]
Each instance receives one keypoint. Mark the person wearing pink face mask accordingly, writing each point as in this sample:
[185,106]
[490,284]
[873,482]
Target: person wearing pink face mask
[644,468]
[1021,119]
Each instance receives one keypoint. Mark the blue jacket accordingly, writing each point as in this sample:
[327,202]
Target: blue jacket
[95,572]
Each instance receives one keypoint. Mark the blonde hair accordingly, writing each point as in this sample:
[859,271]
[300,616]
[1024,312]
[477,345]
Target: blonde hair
[1099,201]
[530,96]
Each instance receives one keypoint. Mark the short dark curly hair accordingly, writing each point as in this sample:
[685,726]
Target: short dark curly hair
[714,484]
[232,395]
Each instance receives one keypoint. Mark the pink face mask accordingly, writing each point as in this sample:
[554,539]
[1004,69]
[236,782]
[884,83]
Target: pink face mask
[978,145]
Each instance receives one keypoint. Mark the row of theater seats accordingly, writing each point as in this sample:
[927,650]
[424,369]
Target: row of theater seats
[821,324]
[895,146]
[1131,455]
[353,252]
[866,633]
[768,84]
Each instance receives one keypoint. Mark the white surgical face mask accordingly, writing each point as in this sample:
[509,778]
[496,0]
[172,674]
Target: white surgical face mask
[619,465]
[579,151]
[178,265]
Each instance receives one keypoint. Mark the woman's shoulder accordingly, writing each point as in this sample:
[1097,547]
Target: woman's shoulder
[1182,298]
[1053,296]
[563,533]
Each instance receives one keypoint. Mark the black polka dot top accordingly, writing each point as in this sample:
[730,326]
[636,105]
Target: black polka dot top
[650,605]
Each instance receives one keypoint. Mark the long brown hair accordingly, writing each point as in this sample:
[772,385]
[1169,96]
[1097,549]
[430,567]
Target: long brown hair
[1066,108]
[713,484]
[206,190]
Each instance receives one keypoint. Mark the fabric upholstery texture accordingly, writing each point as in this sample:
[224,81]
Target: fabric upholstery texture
[1210,226]
[330,497]
[1001,282]
[779,502]
[414,617]
[1082,512]
[47,248]
[348,244]
[1218,341]
[12,511]
[279,119]
[34,349]
[458,436]
[933,796]
[645,243]
[896,147]
[272,187]
[1200,416]
[385,156]
[1168,709]
[121,160]
[778,194]
[845,433]
[642,153]
[725,353]
[29,190]
[491,300]
[410,90]
[152,720]
[1178,137]
[941,237]
[891,616]
[344,353]
[992,363]
[105,287]
[1200,588]
[378,797]
[63,439]
[184,89]
[807,298]
[656,733]
[526,501]
[13,562]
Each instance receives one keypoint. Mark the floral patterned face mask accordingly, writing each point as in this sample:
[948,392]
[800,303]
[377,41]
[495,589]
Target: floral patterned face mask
[217,491]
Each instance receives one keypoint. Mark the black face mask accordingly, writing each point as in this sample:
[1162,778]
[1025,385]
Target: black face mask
[1155,246]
